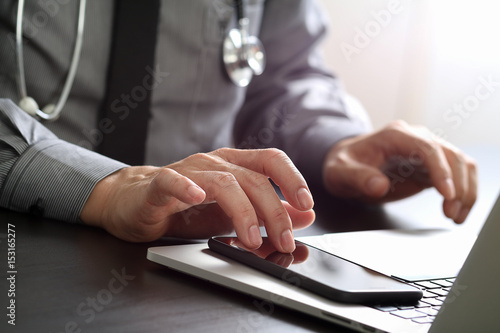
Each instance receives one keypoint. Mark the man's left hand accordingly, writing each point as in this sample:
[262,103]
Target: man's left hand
[399,161]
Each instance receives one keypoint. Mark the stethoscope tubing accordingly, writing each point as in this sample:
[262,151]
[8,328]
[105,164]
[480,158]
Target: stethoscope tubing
[75,59]
[250,60]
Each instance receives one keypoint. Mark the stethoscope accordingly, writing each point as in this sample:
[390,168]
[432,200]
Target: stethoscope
[243,57]
[27,103]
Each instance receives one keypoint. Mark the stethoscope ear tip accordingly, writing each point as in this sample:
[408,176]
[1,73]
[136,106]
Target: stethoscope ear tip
[29,105]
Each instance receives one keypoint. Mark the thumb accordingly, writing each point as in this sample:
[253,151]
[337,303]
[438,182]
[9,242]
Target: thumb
[169,188]
[355,179]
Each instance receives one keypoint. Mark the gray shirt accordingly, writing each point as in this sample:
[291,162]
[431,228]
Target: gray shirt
[297,105]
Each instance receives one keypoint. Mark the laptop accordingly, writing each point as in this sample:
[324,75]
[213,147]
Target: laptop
[461,293]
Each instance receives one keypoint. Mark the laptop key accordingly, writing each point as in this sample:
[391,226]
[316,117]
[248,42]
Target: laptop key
[405,307]
[427,284]
[443,283]
[439,292]
[428,294]
[408,314]
[423,320]
[421,304]
[385,308]
[428,311]
[433,301]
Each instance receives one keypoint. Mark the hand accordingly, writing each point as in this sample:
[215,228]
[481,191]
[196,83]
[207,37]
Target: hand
[205,195]
[398,161]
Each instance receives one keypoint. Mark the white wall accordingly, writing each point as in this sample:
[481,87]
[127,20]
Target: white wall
[422,61]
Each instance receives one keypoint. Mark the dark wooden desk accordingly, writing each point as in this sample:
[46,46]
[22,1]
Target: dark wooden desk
[73,278]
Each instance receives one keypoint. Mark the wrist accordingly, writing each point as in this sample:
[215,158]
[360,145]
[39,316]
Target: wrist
[334,158]
[93,209]
[102,205]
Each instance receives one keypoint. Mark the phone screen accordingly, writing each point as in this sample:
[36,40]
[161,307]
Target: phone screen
[320,272]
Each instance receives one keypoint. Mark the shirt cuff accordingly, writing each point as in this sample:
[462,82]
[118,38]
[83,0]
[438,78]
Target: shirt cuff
[317,141]
[54,179]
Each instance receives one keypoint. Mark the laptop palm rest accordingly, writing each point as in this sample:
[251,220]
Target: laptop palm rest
[411,255]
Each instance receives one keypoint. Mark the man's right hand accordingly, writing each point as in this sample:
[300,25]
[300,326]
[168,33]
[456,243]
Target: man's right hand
[204,195]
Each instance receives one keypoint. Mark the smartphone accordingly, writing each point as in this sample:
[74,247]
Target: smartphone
[320,272]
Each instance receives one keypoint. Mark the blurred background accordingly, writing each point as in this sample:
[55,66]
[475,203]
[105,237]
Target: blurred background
[435,63]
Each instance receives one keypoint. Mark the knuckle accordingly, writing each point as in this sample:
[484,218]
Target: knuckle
[223,150]
[166,176]
[460,158]
[222,153]
[471,164]
[205,161]
[224,179]
[278,214]
[259,181]
[276,155]
[247,213]
[395,130]
[398,125]
[428,147]
[199,156]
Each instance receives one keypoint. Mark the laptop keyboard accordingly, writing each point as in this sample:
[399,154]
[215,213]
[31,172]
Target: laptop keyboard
[424,312]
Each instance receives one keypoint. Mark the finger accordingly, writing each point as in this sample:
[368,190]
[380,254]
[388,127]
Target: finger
[225,189]
[428,151]
[268,207]
[300,219]
[453,208]
[276,165]
[168,185]
[470,197]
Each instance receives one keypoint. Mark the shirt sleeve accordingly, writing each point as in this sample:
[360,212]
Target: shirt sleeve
[297,105]
[42,174]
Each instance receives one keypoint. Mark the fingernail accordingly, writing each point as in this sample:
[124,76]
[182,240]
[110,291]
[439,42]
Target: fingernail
[377,186]
[254,236]
[287,242]
[305,199]
[462,216]
[455,208]
[195,192]
[448,189]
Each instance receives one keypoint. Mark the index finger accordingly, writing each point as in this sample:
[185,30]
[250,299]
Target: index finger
[276,165]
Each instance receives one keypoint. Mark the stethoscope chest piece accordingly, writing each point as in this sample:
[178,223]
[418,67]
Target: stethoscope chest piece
[243,60]
[243,55]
